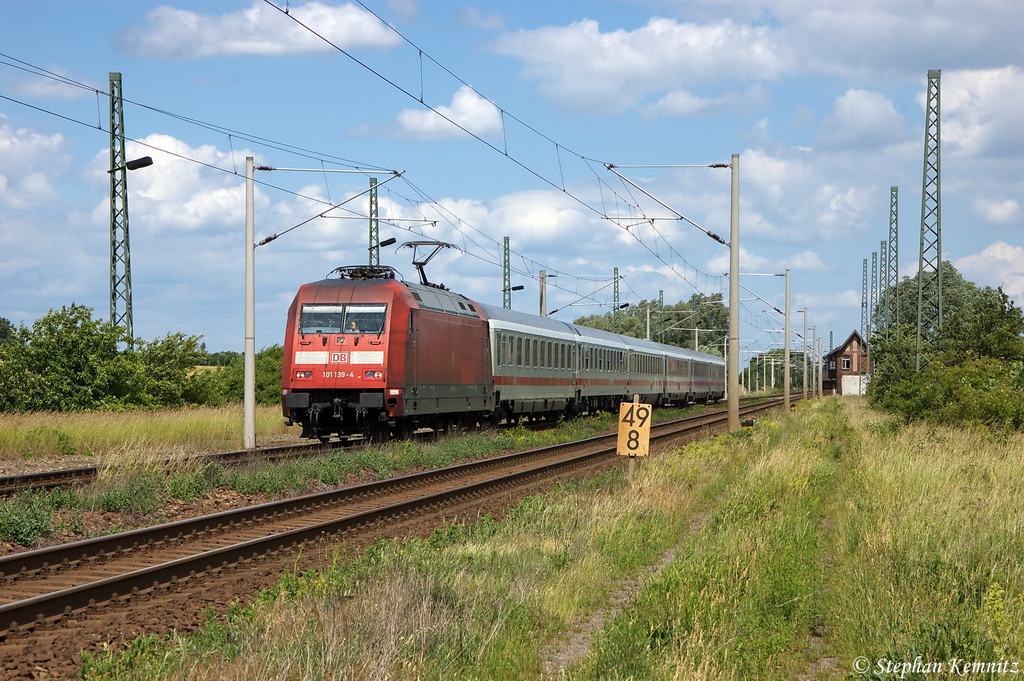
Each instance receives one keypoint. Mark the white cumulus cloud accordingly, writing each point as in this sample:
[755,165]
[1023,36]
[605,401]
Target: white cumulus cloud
[685,103]
[177,34]
[471,17]
[468,109]
[981,112]
[999,212]
[30,162]
[862,119]
[39,87]
[579,66]
[1000,264]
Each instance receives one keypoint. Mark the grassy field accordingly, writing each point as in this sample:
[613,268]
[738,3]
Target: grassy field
[831,544]
[161,431]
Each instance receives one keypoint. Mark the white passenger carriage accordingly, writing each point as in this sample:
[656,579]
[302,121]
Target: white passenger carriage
[543,366]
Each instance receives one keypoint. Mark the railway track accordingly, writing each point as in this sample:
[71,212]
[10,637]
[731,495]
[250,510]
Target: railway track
[43,588]
[12,484]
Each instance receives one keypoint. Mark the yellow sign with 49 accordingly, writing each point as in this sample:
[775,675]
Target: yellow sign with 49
[634,429]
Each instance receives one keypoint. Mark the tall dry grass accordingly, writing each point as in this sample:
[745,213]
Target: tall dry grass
[157,432]
[928,544]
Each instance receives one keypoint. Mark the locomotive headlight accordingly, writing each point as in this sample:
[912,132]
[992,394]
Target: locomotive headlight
[303,374]
[373,374]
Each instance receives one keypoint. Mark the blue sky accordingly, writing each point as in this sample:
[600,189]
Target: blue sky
[822,100]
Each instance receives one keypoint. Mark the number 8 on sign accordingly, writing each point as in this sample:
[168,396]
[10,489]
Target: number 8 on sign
[634,429]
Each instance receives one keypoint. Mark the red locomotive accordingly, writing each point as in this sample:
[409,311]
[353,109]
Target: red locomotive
[368,353]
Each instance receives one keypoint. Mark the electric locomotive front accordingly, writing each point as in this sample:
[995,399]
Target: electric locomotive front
[343,366]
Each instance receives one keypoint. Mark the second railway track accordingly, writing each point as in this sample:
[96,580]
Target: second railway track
[42,480]
[45,587]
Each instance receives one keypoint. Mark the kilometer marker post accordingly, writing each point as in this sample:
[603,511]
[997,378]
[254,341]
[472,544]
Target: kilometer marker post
[634,430]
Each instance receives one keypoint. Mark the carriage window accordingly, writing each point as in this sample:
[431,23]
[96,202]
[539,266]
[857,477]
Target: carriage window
[519,351]
[550,351]
[320,318]
[502,340]
[361,318]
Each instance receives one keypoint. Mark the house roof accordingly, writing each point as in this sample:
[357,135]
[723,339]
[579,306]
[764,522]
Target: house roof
[846,343]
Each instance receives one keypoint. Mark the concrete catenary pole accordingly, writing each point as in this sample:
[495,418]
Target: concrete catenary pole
[543,293]
[249,382]
[734,297]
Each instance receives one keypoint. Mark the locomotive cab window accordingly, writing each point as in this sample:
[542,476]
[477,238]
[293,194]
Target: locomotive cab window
[320,318]
[360,318]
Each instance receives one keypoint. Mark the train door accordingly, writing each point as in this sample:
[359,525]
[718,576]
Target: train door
[413,360]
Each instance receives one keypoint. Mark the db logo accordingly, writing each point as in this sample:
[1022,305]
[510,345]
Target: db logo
[339,357]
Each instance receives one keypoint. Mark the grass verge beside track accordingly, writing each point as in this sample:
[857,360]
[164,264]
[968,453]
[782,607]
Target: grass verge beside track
[830,535]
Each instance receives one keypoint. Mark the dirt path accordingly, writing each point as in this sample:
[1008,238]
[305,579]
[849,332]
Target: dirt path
[557,659]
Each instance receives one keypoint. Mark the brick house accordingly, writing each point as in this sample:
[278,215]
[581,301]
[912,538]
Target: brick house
[846,368]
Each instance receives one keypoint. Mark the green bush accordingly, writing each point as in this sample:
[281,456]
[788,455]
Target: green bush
[68,361]
[227,384]
[983,391]
[25,518]
[138,495]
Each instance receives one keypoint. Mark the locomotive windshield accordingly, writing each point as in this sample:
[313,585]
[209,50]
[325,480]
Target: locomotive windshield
[355,318]
[320,318]
[364,318]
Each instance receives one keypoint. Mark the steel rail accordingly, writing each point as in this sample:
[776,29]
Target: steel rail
[13,484]
[51,558]
[57,604]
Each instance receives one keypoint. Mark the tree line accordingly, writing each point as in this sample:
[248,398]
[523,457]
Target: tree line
[69,361]
[701,323]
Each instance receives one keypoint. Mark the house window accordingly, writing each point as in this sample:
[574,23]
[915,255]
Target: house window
[846,362]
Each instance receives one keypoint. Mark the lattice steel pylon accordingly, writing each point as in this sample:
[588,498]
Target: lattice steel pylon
[374,224]
[872,295]
[615,290]
[929,276]
[120,251]
[506,279]
[892,274]
[864,303]
[881,318]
